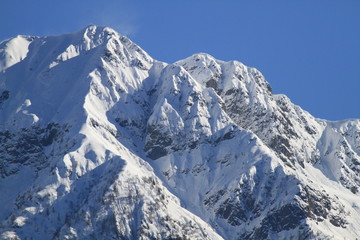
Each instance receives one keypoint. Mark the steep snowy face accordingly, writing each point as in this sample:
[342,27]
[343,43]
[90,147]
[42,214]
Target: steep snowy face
[249,102]
[65,82]
[99,140]
[242,203]
[64,170]
[339,155]
[59,76]
[184,114]
[13,51]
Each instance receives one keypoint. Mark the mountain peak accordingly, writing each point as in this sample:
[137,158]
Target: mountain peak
[198,59]
[100,31]
[14,50]
[100,141]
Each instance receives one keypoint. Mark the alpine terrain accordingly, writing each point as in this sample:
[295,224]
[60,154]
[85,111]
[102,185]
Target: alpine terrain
[100,141]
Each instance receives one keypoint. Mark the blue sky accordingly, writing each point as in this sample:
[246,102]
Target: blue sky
[308,50]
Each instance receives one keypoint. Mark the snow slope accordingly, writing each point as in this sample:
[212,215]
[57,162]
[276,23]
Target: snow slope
[100,141]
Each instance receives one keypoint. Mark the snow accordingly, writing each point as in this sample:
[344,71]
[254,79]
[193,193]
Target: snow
[145,149]
[11,187]
[14,51]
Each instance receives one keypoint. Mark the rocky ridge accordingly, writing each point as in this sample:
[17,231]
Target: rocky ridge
[99,140]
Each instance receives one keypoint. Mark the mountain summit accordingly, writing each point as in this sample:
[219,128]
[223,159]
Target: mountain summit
[100,141]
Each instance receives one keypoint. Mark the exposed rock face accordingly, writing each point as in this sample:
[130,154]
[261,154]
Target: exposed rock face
[27,147]
[99,140]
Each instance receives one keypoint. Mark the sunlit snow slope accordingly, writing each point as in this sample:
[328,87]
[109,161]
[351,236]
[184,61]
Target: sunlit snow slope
[100,141]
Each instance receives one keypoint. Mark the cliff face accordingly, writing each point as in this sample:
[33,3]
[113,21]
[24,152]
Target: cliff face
[99,140]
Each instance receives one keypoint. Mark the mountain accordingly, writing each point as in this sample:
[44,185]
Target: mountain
[100,141]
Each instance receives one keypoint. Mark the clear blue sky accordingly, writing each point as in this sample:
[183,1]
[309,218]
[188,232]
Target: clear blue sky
[308,50]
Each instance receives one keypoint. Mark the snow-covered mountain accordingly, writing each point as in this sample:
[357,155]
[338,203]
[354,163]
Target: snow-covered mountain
[100,141]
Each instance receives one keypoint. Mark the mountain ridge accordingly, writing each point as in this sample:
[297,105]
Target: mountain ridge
[106,142]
